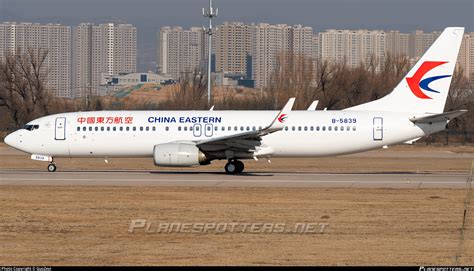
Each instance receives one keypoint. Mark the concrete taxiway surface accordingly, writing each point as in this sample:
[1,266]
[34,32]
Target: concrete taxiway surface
[219,179]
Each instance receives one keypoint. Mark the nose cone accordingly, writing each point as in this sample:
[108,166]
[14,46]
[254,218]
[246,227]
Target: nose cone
[10,140]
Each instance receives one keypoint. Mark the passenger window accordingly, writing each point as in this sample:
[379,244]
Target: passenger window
[306,128]
[342,128]
[90,129]
[348,128]
[84,129]
[147,128]
[324,128]
[229,128]
[96,129]
[141,128]
[254,128]
[353,128]
[293,128]
[335,128]
[311,128]
[153,128]
[102,128]
[241,128]
[127,129]
[286,128]
[299,128]
[329,128]
[78,129]
[168,128]
[185,128]
[108,128]
[223,128]
[114,128]
[121,128]
[179,128]
[235,128]
[216,128]
[248,128]
[191,128]
[134,128]
[208,128]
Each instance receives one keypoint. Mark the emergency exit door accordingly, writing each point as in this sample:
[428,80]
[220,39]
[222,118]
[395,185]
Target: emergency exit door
[378,129]
[60,129]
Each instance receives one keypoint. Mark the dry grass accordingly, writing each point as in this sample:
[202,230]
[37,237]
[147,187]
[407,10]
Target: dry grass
[88,225]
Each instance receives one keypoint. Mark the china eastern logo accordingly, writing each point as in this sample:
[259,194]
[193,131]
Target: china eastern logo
[416,83]
[282,118]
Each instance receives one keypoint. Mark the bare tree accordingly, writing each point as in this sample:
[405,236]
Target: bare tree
[23,85]
[190,94]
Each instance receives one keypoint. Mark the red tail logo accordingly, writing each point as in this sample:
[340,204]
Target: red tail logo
[416,84]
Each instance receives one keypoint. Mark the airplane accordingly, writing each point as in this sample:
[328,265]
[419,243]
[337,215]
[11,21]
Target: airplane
[412,110]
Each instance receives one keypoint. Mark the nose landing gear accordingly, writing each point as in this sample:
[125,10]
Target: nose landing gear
[234,167]
[52,166]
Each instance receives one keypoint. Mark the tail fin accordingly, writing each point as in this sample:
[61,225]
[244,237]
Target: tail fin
[425,88]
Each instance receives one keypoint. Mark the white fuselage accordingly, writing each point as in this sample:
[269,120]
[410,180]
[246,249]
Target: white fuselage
[135,133]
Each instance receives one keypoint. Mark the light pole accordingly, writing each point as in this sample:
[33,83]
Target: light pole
[211,13]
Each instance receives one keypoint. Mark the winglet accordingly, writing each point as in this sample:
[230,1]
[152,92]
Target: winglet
[313,106]
[279,122]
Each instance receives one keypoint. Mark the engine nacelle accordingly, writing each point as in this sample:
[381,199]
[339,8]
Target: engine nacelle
[178,155]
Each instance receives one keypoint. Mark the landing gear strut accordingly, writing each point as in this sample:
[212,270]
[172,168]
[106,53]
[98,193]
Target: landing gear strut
[52,167]
[234,167]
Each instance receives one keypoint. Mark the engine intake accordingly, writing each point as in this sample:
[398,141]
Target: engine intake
[178,155]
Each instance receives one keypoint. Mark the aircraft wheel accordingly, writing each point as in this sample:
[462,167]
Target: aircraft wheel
[230,168]
[240,166]
[51,167]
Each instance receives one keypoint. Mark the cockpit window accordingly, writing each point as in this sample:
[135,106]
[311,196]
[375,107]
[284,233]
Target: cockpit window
[30,127]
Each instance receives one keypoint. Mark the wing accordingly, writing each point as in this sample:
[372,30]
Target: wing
[246,142]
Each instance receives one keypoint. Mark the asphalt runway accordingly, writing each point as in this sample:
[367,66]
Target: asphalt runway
[219,179]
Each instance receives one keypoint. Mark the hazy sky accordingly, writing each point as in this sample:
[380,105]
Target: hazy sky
[149,15]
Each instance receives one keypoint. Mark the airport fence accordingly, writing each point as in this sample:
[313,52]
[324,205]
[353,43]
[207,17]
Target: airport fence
[449,138]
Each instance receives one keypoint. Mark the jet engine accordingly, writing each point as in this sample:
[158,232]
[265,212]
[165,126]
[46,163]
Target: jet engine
[178,154]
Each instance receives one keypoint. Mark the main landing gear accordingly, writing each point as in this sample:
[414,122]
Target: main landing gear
[234,167]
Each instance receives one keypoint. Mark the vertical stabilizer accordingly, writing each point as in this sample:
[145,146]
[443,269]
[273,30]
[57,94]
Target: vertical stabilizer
[425,88]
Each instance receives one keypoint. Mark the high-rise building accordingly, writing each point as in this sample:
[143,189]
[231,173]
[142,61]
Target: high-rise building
[55,39]
[269,42]
[233,46]
[398,44]
[353,47]
[180,51]
[105,48]
[466,56]
[420,42]
[272,44]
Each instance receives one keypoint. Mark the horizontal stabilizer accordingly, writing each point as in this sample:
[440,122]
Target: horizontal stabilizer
[438,117]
